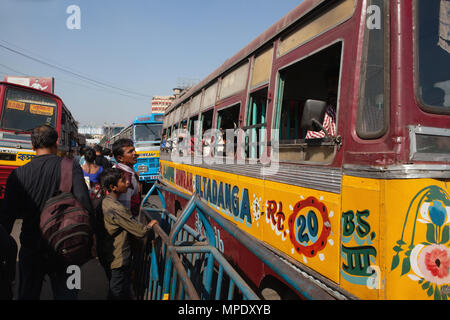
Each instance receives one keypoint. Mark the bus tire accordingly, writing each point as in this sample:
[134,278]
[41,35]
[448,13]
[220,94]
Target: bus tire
[273,289]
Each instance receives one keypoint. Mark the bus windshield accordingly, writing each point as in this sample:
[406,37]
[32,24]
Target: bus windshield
[147,132]
[24,110]
[433,43]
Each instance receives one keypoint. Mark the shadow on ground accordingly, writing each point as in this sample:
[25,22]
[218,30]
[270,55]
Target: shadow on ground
[94,284]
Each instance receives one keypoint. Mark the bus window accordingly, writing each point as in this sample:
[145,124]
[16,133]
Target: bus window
[205,125]
[227,118]
[256,123]
[373,109]
[24,110]
[168,137]
[174,130]
[163,138]
[146,132]
[314,78]
[183,124]
[433,56]
[206,120]
[191,125]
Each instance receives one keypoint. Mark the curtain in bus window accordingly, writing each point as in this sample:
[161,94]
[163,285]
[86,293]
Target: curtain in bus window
[210,96]
[170,117]
[177,115]
[183,111]
[329,19]
[444,25]
[195,105]
[262,68]
[187,109]
[234,82]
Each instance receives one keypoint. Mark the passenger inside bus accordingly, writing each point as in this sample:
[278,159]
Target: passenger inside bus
[329,121]
[206,125]
[317,78]
[227,119]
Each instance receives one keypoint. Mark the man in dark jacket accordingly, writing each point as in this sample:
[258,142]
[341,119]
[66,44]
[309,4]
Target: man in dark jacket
[27,189]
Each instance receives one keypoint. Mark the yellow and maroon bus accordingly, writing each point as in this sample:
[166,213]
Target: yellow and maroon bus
[360,206]
[21,110]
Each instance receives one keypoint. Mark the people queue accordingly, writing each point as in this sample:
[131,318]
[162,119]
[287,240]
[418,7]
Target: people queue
[109,192]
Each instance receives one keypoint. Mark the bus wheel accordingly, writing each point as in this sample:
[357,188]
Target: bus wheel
[273,289]
[270,294]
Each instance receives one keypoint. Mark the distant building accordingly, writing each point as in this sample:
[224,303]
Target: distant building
[160,103]
[90,130]
[108,132]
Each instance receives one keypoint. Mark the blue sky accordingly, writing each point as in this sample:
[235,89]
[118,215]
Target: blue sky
[143,46]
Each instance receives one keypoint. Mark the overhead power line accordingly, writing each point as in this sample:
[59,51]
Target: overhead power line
[77,84]
[73,73]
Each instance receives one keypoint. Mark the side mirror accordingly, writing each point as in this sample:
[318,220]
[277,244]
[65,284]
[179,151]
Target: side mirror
[313,115]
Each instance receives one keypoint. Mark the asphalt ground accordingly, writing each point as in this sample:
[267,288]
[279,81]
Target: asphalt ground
[94,284]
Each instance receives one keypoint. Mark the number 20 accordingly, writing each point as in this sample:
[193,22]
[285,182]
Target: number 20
[308,224]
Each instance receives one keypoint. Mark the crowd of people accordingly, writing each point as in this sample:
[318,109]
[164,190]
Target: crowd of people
[107,189]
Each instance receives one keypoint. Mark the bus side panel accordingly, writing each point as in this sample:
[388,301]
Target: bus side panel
[230,199]
[360,255]
[304,224]
[417,241]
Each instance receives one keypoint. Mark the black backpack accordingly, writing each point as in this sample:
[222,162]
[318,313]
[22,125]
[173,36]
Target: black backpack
[65,224]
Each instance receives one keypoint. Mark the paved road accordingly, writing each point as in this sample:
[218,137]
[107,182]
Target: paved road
[94,284]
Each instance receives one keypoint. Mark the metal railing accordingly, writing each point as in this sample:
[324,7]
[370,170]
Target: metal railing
[180,263]
[198,255]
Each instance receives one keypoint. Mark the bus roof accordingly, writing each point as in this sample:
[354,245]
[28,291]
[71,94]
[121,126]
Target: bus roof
[29,88]
[154,117]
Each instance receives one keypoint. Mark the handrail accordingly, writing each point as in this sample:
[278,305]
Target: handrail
[303,281]
[163,281]
[192,293]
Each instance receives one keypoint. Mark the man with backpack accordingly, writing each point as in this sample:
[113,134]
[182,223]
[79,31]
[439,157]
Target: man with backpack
[28,189]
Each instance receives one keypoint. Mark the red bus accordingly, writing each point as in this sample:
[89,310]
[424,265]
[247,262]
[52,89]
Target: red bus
[360,208]
[22,109]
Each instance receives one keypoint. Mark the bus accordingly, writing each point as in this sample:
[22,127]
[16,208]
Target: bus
[359,205]
[21,110]
[108,132]
[145,132]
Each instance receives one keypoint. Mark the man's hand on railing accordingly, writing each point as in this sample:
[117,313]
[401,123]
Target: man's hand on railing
[152,223]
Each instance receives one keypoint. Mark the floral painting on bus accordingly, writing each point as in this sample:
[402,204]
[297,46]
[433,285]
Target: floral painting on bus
[309,226]
[423,254]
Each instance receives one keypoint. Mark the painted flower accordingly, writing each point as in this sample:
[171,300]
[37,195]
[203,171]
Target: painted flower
[256,208]
[431,212]
[437,262]
[438,213]
[431,263]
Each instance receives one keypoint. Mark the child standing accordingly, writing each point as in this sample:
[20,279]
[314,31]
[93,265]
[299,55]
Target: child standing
[119,223]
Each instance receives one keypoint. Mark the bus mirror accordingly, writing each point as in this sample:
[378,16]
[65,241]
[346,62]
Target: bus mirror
[313,114]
